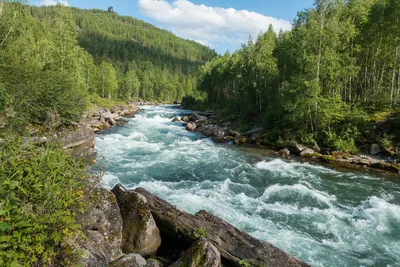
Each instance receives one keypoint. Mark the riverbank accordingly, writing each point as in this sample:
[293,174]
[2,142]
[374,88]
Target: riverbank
[211,125]
[122,221]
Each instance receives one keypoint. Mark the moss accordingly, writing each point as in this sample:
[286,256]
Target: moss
[328,158]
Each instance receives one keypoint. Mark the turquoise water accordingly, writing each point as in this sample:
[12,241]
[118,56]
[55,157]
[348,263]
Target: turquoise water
[323,216]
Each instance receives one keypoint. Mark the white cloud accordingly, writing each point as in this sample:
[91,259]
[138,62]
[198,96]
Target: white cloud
[53,2]
[209,25]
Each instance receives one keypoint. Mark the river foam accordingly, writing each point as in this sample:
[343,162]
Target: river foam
[322,216]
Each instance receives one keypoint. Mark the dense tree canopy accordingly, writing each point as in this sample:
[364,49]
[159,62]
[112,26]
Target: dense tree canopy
[340,62]
[53,58]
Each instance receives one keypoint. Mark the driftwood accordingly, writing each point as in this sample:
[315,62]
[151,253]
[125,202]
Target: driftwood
[178,227]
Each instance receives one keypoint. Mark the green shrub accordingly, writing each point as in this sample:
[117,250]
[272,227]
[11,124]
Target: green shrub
[199,232]
[386,141]
[244,263]
[42,190]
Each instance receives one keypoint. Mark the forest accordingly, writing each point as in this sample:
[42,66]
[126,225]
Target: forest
[325,81]
[56,60]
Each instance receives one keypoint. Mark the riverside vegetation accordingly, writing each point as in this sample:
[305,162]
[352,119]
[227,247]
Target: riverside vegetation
[333,79]
[322,81]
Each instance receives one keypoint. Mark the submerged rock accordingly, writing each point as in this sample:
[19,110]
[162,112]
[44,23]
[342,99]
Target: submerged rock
[139,232]
[201,254]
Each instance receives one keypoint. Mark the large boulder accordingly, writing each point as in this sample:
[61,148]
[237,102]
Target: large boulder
[83,136]
[185,119]
[307,152]
[284,153]
[130,260]
[233,245]
[139,231]
[295,148]
[201,254]
[102,227]
[375,149]
[196,117]
[254,131]
[191,126]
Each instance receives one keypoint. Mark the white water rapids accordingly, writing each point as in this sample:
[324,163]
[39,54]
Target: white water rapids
[322,216]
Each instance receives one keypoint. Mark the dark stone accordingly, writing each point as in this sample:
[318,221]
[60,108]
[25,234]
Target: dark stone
[196,117]
[295,148]
[234,245]
[254,131]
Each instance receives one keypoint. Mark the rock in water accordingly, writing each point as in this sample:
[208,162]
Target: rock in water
[185,119]
[139,231]
[130,260]
[191,126]
[175,120]
[201,254]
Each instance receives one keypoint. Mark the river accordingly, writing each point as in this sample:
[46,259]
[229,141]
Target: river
[323,216]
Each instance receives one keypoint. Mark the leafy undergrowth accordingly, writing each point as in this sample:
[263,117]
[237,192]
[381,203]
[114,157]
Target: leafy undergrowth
[42,189]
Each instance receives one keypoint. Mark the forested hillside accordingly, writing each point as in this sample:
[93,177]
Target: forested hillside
[55,60]
[338,69]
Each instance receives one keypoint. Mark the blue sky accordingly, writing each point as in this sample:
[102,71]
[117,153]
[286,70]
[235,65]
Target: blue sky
[220,24]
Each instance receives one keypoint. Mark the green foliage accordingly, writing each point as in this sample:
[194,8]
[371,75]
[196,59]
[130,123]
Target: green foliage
[198,232]
[244,263]
[340,57]
[41,192]
[386,141]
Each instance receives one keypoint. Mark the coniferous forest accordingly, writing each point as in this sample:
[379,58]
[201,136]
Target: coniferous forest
[326,80]
[55,60]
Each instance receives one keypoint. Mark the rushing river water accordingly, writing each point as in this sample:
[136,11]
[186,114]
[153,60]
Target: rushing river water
[322,216]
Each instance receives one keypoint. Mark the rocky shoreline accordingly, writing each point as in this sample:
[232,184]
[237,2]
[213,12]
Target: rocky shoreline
[207,123]
[122,228]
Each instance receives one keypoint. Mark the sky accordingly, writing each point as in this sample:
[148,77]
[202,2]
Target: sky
[220,24]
